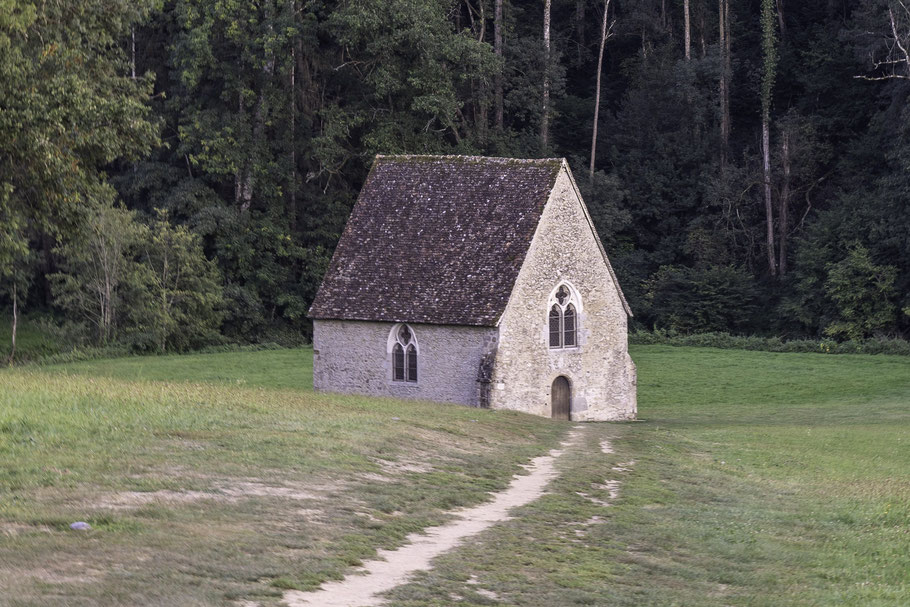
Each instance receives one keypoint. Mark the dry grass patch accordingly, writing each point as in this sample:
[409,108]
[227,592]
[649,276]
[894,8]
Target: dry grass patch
[201,493]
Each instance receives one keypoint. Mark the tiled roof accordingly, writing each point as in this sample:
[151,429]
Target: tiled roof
[436,239]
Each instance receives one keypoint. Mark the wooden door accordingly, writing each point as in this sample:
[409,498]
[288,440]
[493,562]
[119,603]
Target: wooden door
[562,398]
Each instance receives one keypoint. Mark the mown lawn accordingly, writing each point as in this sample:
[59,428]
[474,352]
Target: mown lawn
[752,479]
[286,369]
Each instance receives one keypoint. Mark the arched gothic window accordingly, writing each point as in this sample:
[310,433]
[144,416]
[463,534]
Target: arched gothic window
[404,355]
[555,327]
[398,363]
[568,327]
[412,363]
[562,319]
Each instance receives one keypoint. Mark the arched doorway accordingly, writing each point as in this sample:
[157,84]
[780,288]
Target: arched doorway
[561,395]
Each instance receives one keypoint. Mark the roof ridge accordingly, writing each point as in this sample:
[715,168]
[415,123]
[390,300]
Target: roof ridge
[470,158]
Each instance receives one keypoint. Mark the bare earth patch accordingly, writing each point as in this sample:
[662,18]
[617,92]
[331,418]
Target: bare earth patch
[489,594]
[72,573]
[404,466]
[394,567]
[13,529]
[227,491]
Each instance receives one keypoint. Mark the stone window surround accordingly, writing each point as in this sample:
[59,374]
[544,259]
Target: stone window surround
[391,341]
[574,300]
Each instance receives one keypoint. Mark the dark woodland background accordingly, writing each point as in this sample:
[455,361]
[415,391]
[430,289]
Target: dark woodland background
[175,174]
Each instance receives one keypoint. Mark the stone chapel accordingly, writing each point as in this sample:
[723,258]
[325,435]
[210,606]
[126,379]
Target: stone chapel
[479,281]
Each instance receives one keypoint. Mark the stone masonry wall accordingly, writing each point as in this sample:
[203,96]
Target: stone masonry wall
[600,372]
[355,357]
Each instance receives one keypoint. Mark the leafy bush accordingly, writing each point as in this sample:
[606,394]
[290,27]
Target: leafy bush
[711,298]
[183,296]
[862,292]
[100,277]
[146,287]
[727,341]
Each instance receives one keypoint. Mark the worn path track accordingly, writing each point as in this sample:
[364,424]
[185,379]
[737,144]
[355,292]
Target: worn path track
[394,567]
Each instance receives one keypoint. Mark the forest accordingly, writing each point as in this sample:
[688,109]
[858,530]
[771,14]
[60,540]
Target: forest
[176,173]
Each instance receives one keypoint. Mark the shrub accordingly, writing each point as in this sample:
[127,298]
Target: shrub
[147,287]
[727,341]
[862,292]
[696,300]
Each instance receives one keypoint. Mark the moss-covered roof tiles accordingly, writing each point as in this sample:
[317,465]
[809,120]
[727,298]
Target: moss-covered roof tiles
[436,239]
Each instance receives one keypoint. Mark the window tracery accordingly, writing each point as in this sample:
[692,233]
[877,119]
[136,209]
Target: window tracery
[404,355]
[562,318]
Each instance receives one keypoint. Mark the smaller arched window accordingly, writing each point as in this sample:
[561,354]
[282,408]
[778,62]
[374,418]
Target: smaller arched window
[404,354]
[568,327]
[562,318]
[412,363]
[398,363]
[555,327]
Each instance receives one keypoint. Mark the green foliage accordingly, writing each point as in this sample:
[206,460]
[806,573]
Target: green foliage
[148,287]
[270,114]
[101,283]
[37,339]
[862,292]
[184,296]
[711,298]
[607,202]
[769,54]
[68,107]
[413,63]
[13,242]
[873,345]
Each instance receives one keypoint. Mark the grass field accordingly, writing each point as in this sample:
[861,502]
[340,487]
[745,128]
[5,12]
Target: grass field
[752,479]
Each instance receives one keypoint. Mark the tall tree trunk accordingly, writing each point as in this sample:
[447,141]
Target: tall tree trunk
[769,72]
[12,352]
[497,50]
[600,57]
[723,84]
[688,35]
[292,177]
[48,267]
[165,311]
[780,19]
[580,29]
[483,101]
[766,178]
[133,70]
[259,118]
[545,109]
[701,31]
[728,67]
[240,173]
[784,200]
[483,113]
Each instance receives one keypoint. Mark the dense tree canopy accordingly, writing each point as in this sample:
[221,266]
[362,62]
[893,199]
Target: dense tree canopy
[752,169]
